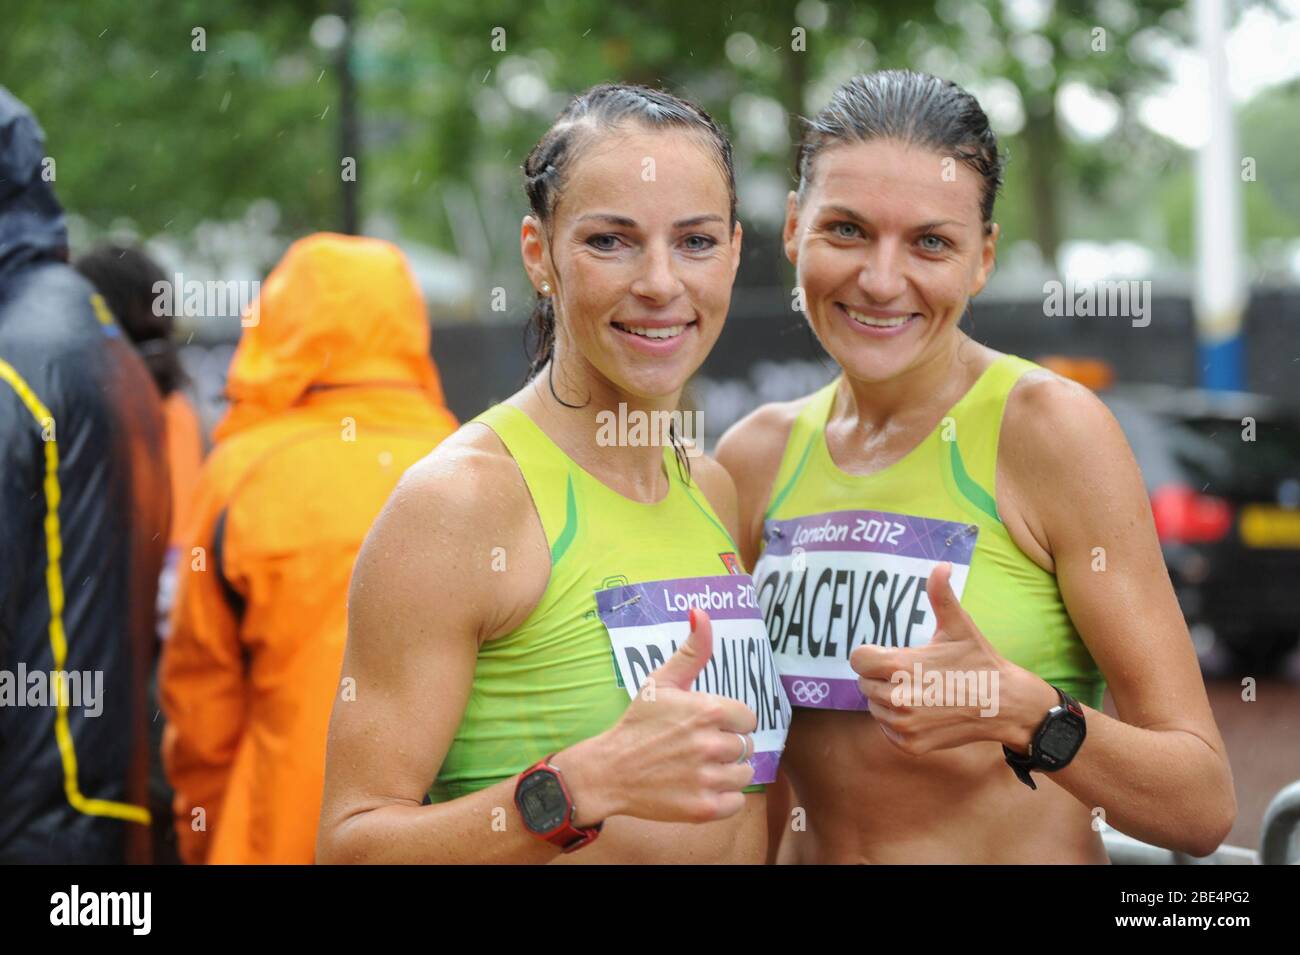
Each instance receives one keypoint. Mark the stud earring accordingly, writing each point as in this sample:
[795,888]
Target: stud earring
[546,288]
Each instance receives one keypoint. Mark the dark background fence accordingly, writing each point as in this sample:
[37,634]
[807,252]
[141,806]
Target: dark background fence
[767,353]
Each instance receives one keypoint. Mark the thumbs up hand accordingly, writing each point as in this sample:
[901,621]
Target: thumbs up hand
[952,691]
[678,755]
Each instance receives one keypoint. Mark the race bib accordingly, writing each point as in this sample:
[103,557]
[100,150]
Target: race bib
[828,583]
[648,622]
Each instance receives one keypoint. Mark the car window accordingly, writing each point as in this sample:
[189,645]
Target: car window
[1234,462]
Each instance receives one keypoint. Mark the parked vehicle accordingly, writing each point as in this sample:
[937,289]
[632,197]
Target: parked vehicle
[1223,472]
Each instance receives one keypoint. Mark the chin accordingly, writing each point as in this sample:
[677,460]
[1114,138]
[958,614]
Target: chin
[873,369]
[649,378]
[869,361]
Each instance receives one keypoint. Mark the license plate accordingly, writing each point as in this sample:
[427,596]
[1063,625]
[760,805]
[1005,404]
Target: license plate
[1263,526]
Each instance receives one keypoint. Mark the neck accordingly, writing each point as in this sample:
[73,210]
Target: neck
[933,382]
[584,432]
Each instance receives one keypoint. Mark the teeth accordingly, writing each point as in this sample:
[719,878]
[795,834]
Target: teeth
[877,322]
[670,332]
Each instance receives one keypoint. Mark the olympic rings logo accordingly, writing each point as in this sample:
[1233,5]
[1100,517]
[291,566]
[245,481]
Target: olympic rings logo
[810,691]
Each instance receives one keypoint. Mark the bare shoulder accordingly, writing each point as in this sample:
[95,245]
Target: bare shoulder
[751,449]
[467,478]
[1052,422]
[751,452]
[1064,468]
[457,517]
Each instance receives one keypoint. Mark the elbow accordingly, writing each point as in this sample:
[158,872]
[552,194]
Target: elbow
[1213,823]
[339,843]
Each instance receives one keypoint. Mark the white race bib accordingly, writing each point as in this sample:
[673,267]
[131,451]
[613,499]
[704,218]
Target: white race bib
[828,583]
[648,622]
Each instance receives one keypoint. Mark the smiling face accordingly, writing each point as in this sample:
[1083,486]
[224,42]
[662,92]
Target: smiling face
[889,245]
[640,257]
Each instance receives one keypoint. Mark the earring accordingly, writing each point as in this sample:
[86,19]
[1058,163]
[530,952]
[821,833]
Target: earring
[546,288]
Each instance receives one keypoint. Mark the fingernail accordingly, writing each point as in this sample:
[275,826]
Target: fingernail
[692,618]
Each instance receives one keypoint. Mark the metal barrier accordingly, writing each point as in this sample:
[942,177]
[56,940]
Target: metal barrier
[1279,842]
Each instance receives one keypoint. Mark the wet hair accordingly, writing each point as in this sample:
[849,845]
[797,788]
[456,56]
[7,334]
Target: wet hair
[589,114]
[913,108]
[126,277]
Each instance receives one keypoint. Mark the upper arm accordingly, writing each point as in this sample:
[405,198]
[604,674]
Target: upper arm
[426,590]
[1069,464]
[751,452]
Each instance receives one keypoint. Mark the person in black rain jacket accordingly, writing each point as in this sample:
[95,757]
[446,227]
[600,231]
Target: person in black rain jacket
[84,511]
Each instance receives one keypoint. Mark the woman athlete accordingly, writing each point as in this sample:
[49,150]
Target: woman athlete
[475,642]
[934,457]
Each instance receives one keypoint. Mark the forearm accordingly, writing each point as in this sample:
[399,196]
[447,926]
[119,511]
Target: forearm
[482,827]
[1166,786]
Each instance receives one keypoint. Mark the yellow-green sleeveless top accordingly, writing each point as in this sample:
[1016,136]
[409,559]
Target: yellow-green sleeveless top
[552,682]
[948,477]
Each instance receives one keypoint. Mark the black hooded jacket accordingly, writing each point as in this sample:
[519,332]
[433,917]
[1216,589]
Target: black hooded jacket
[84,509]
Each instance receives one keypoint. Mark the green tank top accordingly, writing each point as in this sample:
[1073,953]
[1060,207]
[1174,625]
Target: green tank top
[948,477]
[552,682]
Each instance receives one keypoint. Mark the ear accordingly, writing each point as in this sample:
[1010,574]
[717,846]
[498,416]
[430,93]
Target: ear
[532,248]
[790,232]
[988,259]
[737,234]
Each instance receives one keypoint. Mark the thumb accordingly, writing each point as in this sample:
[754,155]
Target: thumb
[681,669]
[950,619]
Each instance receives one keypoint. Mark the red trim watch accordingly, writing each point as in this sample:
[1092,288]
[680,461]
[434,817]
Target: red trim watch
[547,808]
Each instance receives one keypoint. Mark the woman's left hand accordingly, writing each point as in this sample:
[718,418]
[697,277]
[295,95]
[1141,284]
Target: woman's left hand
[954,690]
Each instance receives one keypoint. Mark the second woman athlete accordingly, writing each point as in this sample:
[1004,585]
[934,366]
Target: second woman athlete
[931,467]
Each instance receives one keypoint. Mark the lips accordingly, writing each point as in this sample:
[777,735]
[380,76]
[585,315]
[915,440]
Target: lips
[654,332]
[877,323]
[879,319]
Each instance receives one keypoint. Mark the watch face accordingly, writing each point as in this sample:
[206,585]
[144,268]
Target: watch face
[1059,740]
[541,802]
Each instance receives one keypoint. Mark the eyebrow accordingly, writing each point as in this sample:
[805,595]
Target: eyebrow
[848,213]
[627,223]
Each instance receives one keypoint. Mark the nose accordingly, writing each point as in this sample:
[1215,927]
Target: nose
[657,281]
[881,276]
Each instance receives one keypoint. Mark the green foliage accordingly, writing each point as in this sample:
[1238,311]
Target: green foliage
[146,128]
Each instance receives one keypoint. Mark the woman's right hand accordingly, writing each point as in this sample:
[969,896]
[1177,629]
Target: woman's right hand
[673,755]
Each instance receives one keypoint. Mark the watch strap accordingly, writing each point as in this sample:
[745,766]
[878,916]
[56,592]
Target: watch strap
[1023,763]
[566,836]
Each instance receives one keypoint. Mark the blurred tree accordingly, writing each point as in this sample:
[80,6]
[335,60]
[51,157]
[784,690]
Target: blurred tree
[150,124]
[149,120]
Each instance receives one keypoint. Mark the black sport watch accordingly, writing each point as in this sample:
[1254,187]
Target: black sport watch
[1054,743]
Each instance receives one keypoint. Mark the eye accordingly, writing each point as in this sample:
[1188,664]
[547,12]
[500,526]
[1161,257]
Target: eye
[604,242]
[700,243]
[933,243]
[845,230]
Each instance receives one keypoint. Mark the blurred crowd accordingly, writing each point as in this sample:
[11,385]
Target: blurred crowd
[201,589]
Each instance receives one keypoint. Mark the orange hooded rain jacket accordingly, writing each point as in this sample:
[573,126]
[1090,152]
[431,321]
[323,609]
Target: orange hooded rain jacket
[333,395]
